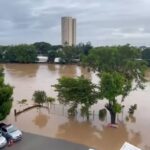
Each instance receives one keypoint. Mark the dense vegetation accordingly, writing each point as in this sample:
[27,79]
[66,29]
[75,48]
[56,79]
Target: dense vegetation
[18,54]
[40,97]
[6,92]
[28,53]
[67,54]
[146,55]
[75,92]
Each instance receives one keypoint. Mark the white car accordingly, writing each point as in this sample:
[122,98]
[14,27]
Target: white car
[11,132]
[3,141]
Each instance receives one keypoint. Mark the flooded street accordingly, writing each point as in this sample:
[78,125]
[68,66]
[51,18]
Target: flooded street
[26,78]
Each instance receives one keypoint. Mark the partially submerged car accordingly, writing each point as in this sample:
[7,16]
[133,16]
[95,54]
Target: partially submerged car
[10,132]
[3,141]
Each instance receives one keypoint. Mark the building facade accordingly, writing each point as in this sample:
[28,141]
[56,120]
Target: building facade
[68,31]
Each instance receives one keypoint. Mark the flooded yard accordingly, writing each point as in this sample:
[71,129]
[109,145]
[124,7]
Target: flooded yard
[26,78]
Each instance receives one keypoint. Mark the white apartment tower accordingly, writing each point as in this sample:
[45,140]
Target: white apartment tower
[68,31]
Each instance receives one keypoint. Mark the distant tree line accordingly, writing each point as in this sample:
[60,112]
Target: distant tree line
[67,54]
[146,54]
[18,54]
[24,53]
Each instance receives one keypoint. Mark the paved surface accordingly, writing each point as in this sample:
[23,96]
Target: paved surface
[36,142]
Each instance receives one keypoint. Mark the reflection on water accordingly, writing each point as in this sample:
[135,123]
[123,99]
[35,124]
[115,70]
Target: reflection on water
[131,118]
[146,147]
[67,70]
[106,138]
[26,78]
[41,119]
[21,70]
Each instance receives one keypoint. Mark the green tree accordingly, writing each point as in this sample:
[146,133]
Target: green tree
[69,54]
[118,67]
[146,55]
[42,48]
[39,97]
[6,99]
[75,92]
[52,54]
[56,47]
[50,100]
[21,54]
[2,53]
[85,48]
[112,85]
[1,72]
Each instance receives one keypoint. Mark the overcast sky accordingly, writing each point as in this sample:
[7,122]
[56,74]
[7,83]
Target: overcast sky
[103,22]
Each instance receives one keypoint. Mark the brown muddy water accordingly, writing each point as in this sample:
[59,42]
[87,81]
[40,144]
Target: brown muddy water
[26,78]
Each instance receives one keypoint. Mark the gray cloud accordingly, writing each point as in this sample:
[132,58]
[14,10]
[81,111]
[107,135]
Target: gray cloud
[101,22]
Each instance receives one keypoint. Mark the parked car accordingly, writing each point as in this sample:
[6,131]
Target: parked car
[10,132]
[3,141]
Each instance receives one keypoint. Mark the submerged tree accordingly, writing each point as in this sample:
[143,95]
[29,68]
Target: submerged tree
[75,92]
[120,71]
[112,85]
[39,97]
[50,100]
[6,99]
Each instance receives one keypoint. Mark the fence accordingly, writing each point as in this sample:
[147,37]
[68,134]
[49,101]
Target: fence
[62,110]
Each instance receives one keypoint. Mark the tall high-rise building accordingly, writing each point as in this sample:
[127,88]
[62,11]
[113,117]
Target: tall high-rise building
[68,31]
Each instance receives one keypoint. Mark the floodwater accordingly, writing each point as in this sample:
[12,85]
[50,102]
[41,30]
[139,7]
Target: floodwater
[26,78]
